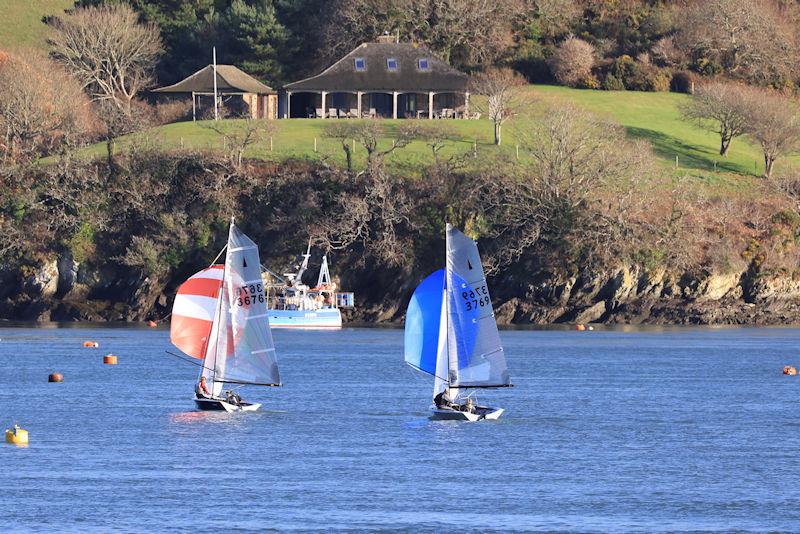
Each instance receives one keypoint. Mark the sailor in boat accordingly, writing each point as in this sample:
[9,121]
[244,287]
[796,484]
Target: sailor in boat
[201,390]
[233,398]
[442,400]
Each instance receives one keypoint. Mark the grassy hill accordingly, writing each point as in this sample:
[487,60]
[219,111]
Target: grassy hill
[654,117]
[22,24]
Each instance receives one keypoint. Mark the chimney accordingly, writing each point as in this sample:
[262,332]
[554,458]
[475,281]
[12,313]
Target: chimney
[386,38]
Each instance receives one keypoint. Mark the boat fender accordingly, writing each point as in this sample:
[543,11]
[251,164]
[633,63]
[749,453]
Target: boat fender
[55,377]
[16,435]
[110,359]
[91,344]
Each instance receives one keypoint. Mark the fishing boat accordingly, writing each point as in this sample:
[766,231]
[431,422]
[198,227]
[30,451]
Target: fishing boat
[293,304]
[451,334]
[220,317]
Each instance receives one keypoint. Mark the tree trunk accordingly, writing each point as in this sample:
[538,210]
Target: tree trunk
[110,154]
[769,163]
[725,145]
[348,155]
[497,136]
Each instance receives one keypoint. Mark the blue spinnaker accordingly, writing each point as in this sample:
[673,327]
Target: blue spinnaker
[422,323]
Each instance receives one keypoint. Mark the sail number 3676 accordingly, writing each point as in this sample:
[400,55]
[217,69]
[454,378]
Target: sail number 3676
[476,298]
[250,294]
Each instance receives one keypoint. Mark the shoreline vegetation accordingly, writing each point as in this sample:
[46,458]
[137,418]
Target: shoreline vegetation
[601,204]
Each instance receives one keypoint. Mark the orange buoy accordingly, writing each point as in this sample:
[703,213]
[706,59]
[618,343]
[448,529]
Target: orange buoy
[792,371]
[580,327]
[91,344]
[152,324]
[55,377]
[110,359]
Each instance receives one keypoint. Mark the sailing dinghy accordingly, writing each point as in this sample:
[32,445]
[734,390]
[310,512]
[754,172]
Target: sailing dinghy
[451,333]
[220,316]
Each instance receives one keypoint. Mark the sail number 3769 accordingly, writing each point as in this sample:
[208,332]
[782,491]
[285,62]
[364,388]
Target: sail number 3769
[250,294]
[476,298]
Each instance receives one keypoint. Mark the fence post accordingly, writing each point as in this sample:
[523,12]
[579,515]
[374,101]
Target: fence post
[315,144]
[270,143]
[676,162]
[517,151]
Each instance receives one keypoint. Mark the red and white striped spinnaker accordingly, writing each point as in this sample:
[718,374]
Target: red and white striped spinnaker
[194,309]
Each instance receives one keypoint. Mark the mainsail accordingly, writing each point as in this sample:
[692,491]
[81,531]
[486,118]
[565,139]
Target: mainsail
[475,354]
[450,328]
[220,315]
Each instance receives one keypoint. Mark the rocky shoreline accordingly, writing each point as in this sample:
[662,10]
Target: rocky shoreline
[65,290]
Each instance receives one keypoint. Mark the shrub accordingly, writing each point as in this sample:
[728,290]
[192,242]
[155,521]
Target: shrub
[612,83]
[572,61]
[682,82]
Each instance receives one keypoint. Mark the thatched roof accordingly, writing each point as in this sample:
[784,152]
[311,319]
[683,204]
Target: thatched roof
[376,76]
[229,80]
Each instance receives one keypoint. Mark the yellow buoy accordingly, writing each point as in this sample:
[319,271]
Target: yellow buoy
[16,435]
[792,371]
[55,377]
[91,344]
[110,359]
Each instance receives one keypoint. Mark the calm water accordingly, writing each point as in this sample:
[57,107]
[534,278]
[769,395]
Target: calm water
[614,431]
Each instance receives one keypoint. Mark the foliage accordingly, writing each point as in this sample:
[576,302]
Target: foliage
[42,109]
[573,61]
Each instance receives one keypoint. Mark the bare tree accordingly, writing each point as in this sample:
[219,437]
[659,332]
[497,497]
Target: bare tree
[108,50]
[773,121]
[368,134]
[462,32]
[557,17]
[42,108]
[239,135]
[717,106]
[572,63]
[751,39]
[503,101]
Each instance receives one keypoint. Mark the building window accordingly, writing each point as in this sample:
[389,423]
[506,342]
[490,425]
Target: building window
[391,64]
[423,64]
[361,65]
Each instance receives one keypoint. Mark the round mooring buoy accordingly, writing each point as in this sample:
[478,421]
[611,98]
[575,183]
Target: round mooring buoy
[16,435]
[110,359]
[55,377]
[580,327]
[91,344]
[152,324]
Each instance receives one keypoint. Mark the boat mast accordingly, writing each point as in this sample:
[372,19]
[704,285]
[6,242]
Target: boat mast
[219,307]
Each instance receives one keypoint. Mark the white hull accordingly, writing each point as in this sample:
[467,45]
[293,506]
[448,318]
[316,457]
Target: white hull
[481,412]
[221,405]
[323,318]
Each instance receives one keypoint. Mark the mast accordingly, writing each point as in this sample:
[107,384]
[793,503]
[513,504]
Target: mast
[452,366]
[216,112]
[218,316]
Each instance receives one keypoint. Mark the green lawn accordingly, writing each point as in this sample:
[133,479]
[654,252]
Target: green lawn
[654,117]
[22,24]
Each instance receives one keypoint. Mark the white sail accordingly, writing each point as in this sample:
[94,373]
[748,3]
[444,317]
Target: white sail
[476,357]
[241,350]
